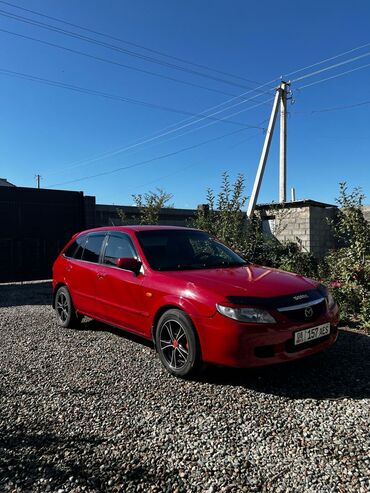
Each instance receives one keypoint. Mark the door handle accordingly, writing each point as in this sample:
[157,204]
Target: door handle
[68,268]
[100,275]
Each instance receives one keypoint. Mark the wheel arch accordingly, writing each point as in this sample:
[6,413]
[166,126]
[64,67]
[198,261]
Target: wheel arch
[163,309]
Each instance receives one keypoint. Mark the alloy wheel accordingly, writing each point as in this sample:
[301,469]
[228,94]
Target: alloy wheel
[62,307]
[174,344]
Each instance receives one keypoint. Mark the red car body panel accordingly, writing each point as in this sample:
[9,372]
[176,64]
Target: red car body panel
[133,301]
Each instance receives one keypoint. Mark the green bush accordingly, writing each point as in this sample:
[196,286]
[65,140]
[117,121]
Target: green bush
[347,269]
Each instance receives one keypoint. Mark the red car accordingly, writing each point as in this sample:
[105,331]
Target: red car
[194,297]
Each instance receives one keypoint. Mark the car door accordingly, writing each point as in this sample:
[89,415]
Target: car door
[120,291]
[81,274]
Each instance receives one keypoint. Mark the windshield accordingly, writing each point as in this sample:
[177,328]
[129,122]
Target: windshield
[181,250]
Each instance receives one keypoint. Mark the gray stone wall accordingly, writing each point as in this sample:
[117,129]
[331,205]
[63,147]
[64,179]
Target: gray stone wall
[305,224]
[289,225]
[366,210]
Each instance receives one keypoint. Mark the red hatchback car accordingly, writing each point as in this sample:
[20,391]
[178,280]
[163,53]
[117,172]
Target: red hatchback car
[194,297]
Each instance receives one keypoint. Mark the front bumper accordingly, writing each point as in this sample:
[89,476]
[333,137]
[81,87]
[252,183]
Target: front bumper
[228,342]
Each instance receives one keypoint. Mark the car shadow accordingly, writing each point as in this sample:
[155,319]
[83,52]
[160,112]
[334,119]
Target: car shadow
[30,293]
[340,372]
[88,324]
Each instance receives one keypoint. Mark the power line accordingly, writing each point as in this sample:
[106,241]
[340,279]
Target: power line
[231,106]
[115,48]
[345,62]
[338,108]
[202,117]
[160,157]
[334,76]
[112,62]
[194,163]
[147,161]
[132,146]
[326,59]
[175,127]
[115,97]
[151,50]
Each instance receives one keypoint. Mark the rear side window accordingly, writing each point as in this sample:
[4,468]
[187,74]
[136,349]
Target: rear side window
[92,249]
[118,247]
[75,249]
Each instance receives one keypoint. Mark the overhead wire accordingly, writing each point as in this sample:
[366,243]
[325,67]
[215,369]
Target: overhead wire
[184,168]
[325,69]
[113,62]
[154,138]
[174,128]
[344,107]
[160,157]
[320,81]
[236,97]
[147,161]
[117,48]
[326,59]
[130,43]
[189,123]
[106,95]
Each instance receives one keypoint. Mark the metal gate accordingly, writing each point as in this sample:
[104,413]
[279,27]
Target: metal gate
[34,226]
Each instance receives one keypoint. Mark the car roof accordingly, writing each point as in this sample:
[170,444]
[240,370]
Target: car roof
[136,228]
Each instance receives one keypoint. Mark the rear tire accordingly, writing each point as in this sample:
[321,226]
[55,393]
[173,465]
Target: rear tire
[64,309]
[177,344]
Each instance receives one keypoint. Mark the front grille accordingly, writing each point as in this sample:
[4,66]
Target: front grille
[307,314]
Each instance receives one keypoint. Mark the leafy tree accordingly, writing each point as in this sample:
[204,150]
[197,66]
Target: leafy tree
[150,205]
[223,217]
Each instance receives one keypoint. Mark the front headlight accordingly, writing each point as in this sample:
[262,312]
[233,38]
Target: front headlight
[251,315]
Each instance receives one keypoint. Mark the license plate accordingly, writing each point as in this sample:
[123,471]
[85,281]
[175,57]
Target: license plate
[312,333]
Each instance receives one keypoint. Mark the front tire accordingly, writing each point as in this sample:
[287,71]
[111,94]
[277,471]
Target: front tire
[177,344]
[64,309]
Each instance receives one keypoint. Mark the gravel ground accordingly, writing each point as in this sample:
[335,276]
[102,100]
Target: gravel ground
[93,410]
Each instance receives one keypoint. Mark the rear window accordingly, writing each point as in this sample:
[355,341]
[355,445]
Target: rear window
[75,249]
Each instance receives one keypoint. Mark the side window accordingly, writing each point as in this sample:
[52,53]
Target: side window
[118,247]
[75,249]
[92,249]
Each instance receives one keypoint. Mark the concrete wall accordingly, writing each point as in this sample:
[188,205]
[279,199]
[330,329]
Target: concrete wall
[366,210]
[302,223]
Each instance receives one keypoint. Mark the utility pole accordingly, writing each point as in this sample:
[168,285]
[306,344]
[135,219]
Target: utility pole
[279,101]
[264,155]
[283,135]
[38,178]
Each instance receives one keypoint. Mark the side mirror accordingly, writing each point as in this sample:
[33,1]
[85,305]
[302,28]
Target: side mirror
[129,264]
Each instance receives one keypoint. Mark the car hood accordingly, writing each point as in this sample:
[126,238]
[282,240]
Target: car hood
[249,280]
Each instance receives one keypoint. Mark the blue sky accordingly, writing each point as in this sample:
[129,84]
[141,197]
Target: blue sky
[65,135]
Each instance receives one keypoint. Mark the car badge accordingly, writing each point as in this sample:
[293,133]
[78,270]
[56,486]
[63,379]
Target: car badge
[308,312]
[300,297]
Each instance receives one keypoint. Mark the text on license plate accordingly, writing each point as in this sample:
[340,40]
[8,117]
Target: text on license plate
[312,333]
